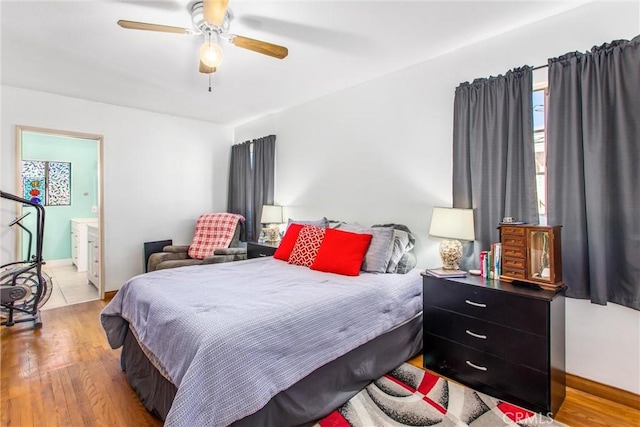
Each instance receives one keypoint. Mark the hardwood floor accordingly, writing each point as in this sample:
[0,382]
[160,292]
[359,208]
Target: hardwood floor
[65,374]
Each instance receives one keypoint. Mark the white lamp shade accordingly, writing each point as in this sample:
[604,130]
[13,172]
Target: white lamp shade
[271,214]
[452,223]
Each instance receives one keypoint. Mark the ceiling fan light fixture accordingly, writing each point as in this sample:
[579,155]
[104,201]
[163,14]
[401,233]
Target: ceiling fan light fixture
[212,19]
[211,54]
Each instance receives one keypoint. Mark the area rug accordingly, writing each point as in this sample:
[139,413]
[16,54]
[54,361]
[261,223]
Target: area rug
[410,396]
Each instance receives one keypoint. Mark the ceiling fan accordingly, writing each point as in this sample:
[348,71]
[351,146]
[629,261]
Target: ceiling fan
[212,18]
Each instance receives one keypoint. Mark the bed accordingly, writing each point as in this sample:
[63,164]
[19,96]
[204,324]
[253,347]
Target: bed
[260,342]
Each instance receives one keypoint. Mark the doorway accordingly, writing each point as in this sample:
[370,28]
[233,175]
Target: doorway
[63,171]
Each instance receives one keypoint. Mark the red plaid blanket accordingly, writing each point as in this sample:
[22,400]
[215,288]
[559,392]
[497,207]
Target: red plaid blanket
[213,231]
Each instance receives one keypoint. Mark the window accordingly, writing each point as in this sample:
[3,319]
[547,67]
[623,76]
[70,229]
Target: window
[46,183]
[540,97]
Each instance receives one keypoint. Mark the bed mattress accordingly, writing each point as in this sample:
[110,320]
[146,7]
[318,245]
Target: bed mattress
[308,400]
[231,336]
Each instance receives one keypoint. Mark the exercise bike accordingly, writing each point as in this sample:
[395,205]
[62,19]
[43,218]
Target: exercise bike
[24,287]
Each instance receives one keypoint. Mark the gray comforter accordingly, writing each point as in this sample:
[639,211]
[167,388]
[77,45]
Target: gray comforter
[231,336]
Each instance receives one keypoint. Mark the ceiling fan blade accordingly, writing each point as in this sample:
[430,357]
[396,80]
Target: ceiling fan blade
[265,48]
[133,25]
[206,70]
[214,11]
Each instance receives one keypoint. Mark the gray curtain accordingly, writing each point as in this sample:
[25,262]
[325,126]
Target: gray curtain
[239,200]
[593,170]
[493,155]
[264,154]
[252,182]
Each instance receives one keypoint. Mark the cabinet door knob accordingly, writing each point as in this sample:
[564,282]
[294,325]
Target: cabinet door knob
[476,304]
[473,334]
[478,367]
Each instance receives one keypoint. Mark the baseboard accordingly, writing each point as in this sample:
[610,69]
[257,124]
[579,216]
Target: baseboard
[58,262]
[608,392]
[109,294]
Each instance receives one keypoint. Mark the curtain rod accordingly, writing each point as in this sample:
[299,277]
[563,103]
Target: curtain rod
[539,66]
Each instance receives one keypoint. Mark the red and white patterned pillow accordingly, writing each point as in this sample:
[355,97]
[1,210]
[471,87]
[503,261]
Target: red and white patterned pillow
[307,245]
[213,231]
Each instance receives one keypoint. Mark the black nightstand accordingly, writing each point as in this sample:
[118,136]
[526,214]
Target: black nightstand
[497,338]
[257,250]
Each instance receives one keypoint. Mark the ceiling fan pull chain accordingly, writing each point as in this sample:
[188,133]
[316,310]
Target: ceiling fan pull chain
[209,34]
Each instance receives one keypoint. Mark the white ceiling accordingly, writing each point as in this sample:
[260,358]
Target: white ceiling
[75,48]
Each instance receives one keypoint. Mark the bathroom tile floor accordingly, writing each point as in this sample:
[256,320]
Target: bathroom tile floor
[69,286]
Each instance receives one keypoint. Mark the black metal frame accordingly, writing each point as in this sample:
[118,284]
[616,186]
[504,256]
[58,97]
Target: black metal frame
[33,262]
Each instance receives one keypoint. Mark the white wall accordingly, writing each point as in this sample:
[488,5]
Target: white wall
[160,171]
[381,151]
[603,343]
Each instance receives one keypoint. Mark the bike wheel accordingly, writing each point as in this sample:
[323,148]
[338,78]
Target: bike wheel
[29,279]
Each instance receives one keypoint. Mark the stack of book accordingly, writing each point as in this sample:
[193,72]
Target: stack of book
[491,262]
[442,273]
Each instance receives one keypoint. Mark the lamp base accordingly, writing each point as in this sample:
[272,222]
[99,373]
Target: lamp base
[451,254]
[272,234]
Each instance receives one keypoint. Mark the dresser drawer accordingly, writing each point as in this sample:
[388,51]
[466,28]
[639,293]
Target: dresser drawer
[509,240]
[519,347]
[517,263]
[512,231]
[512,273]
[484,303]
[486,373]
[513,251]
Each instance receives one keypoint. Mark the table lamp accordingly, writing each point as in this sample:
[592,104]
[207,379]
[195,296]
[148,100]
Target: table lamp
[453,225]
[271,215]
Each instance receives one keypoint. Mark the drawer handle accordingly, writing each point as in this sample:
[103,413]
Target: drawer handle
[484,337]
[473,365]
[262,254]
[475,304]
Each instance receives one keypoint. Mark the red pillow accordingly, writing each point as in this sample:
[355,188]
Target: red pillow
[306,248]
[342,252]
[288,242]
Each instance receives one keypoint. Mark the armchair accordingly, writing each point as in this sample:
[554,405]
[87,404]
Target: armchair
[216,240]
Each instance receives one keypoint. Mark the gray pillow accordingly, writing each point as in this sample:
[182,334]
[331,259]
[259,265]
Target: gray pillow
[323,222]
[334,223]
[379,252]
[400,242]
[402,260]
[406,263]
